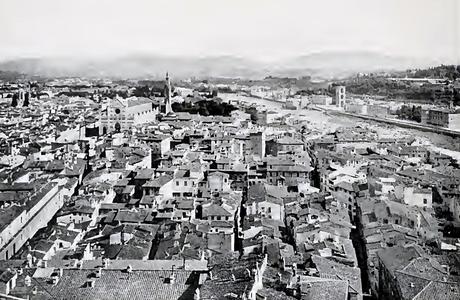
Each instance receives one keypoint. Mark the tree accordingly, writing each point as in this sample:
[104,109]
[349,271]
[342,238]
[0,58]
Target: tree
[142,91]
[253,112]
[417,114]
[14,102]
[413,113]
[26,99]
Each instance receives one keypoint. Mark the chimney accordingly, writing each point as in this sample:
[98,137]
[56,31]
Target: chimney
[196,295]
[106,263]
[202,255]
[27,280]
[172,278]
[55,280]
[90,283]
[29,260]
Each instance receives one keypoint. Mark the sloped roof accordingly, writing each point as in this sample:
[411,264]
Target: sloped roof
[265,192]
[215,210]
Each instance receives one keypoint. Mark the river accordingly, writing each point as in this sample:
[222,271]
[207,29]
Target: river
[319,121]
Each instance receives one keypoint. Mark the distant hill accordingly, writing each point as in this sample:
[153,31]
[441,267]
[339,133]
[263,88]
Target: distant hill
[318,65]
[9,75]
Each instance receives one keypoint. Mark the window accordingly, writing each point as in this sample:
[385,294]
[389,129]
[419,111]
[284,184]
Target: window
[177,183]
[117,111]
[185,183]
[269,210]
[425,201]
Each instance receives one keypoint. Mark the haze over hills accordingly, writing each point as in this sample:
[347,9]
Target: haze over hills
[325,65]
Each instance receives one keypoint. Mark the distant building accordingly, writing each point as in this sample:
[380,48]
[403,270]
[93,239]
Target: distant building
[267,201]
[377,110]
[418,197]
[256,144]
[356,108]
[283,145]
[123,114]
[444,118]
[169,114]
[284,172]
[321,99]
[340,96]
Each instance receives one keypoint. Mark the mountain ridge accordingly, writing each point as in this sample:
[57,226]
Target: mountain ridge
[325,64]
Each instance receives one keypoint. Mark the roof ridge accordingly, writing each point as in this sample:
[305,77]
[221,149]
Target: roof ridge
[418,294]
[420,277]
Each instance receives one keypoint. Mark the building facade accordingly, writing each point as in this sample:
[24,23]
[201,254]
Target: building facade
[340,96]
[444,118]
[123,114]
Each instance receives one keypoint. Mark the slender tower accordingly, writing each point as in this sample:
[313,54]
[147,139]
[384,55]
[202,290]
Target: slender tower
[167,92]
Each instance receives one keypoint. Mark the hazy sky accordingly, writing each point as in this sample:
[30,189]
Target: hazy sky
[263,29]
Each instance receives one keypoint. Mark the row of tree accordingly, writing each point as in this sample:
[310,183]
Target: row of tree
[413,113]
[451,72]
[205,108]
[15,98]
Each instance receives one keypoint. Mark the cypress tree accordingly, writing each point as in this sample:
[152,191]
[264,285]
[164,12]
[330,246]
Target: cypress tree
[14,102]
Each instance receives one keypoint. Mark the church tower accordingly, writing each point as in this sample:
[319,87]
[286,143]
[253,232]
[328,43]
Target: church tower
[167,92]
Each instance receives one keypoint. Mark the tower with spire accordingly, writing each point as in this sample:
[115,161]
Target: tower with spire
[167,92]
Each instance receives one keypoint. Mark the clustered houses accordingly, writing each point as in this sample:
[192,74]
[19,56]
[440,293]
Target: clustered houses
[213,207]
[401,200]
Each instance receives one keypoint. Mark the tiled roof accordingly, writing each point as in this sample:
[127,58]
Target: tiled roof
[117,284]
[395,258]
[158,182]
[321,288]
[215,210]
[230,275]
[334,270]
[265,192]
[439,291]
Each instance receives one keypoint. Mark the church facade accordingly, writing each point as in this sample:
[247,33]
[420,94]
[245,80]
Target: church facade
[124,114]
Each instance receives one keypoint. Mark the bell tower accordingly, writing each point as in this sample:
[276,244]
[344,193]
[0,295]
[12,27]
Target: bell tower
[167,93]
